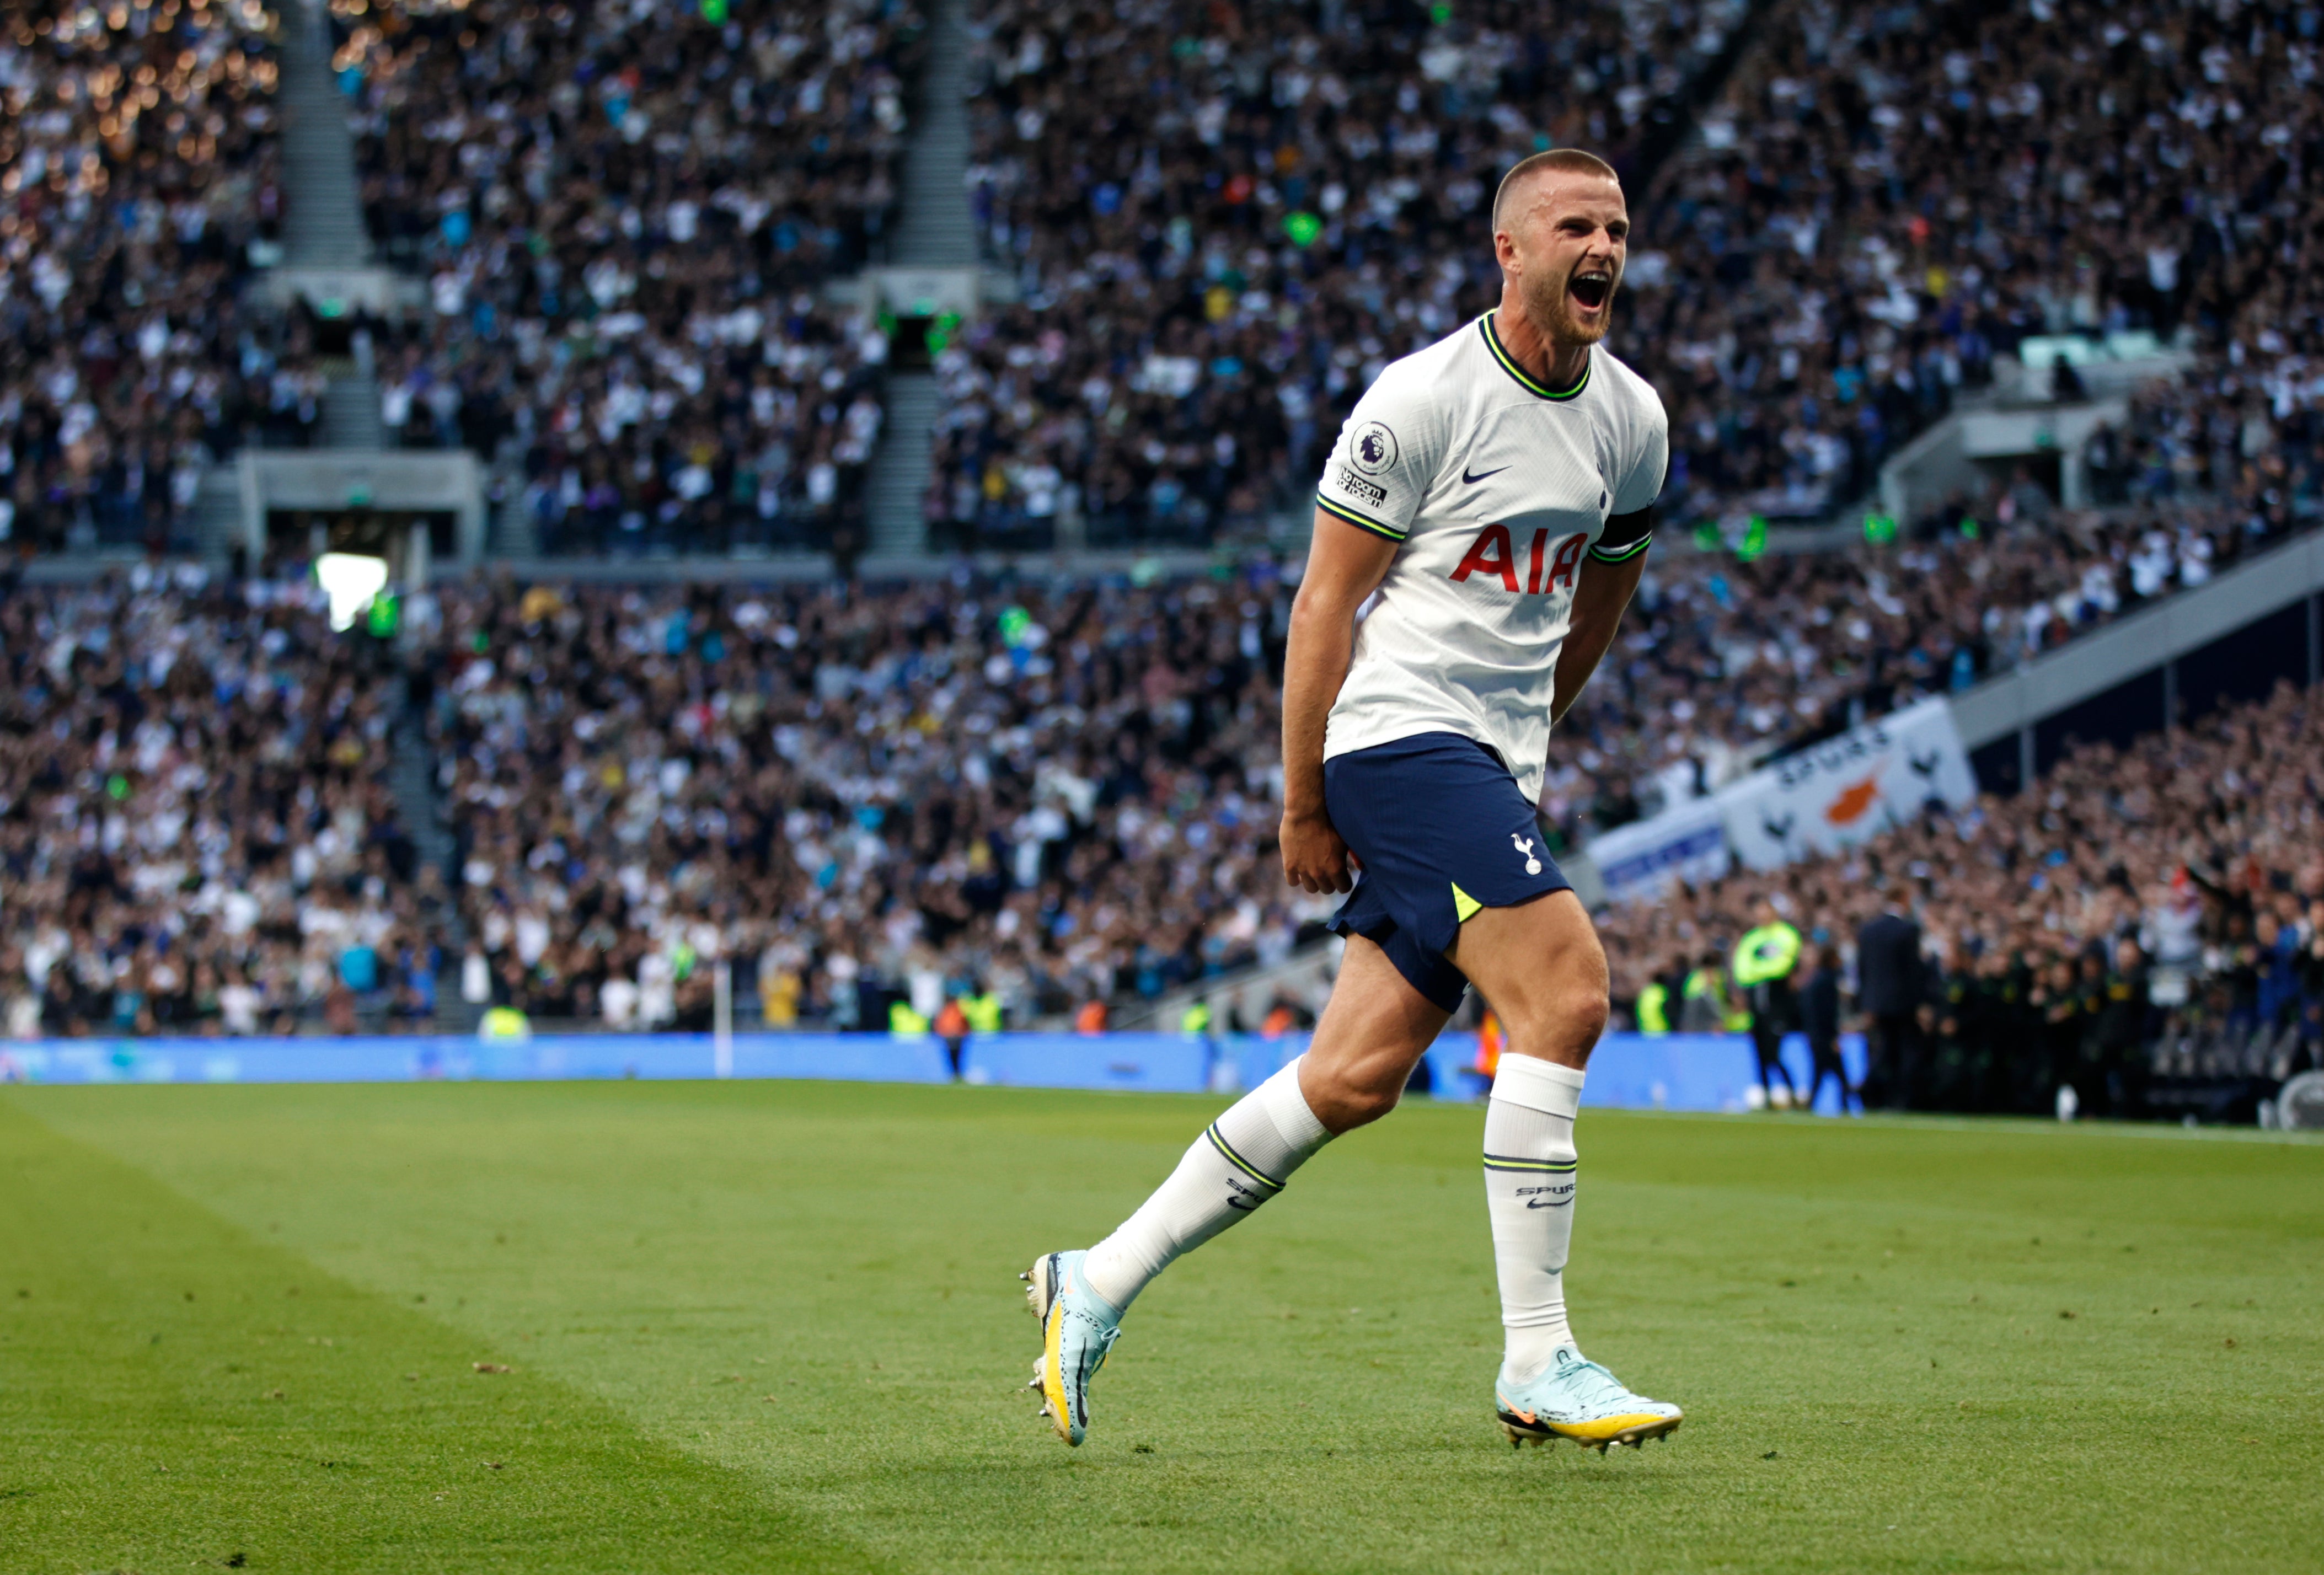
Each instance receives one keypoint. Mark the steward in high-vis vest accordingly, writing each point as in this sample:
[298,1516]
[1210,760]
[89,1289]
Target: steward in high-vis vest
[1765,960]
[1703,1006]
[1653,1007]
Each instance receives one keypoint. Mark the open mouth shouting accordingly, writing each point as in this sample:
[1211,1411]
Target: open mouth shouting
[1591,288]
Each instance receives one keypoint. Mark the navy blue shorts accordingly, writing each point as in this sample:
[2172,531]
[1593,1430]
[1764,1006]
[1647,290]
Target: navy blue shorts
[1441,829]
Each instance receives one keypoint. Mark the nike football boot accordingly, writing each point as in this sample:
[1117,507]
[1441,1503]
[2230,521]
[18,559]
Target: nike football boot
[1078,1328]
[1578,1399]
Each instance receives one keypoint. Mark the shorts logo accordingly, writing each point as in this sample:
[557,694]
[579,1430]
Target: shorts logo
[1373,448]
[1525,845]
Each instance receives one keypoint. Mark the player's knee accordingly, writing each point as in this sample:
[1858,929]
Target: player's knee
[1567,1017]
[1365,1105]
[1345,1101]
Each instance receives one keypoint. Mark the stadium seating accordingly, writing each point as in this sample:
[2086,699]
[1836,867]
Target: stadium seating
[1225,220]
[1222,224]
[195,831]
[1219,259]
[1063,795]
[1065,791]
[2179,881]
[1725,663]
[1886,201]
[624,215]
[140,159]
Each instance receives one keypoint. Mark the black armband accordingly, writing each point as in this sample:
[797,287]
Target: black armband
[1625,537]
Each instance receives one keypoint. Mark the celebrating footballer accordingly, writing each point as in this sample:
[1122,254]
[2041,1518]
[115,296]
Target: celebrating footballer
[1479,527]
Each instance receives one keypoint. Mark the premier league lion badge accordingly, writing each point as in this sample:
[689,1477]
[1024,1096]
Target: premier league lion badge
[1373,448]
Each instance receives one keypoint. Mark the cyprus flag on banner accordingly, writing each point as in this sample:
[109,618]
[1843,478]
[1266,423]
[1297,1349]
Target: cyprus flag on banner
[1847,789]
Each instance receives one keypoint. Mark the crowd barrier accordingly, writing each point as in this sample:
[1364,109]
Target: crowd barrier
[1676,1072]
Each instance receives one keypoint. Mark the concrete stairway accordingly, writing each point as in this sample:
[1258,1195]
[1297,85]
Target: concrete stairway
[937,229]
[412,777]
[515,533]
[324,227]
[217,516]
[900,474]
[351,411]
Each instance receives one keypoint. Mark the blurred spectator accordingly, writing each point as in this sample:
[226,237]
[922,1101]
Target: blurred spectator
[1225,222]
[1723,664]
[1884,201]
[1225,219]
[624,213]
[2019,967]
[139,146]
[195,831]
[1055,796]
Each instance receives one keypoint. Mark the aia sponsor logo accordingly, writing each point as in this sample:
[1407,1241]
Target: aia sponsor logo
[1493,556]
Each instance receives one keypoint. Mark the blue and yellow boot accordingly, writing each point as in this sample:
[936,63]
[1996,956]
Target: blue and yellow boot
[1078,1328]
[1578,1399]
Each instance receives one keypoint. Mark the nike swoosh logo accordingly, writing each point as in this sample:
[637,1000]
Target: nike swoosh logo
[1545,1203]
[1467,480]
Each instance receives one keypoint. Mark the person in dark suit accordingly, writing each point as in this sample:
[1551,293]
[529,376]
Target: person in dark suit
[1820,1020]
[1889,990]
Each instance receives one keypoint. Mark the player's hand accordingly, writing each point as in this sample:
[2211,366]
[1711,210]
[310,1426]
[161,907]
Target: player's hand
[1314,859]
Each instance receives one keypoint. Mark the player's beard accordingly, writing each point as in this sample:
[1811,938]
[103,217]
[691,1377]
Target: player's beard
[1552,310]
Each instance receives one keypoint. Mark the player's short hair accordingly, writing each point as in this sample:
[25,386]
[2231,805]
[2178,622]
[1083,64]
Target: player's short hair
[1572,160]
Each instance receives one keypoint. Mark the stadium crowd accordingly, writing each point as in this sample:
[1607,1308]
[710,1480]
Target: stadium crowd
[1057,801]
[2164,893]
[138,145]
[1885,200]
[1723,662]
[1064,790]
[624,214]
[195,831]
[1058,796]
[1225,220]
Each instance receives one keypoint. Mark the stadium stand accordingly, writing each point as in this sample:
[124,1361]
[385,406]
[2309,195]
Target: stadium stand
[624,215]
[1062,794]
[139,150]
[1884,201]
[196,830]
[1724,664]
[1220,224]
[1880,205]
[1225,221]
[1064,789]
[2146,922]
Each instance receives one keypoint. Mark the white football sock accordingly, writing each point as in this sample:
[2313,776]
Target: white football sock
[1529,1170]
[1240,1163]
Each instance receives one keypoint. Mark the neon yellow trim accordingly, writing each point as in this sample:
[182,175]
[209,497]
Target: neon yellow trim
[1240,1163]
[1341,511]
[1464,904]
[1053,1367]
[1531,384]
[1610,1426]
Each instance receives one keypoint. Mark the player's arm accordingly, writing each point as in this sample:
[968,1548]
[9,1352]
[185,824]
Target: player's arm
[1609,578]
[1345,564]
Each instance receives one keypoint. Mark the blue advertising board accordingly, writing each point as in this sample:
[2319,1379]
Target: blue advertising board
[1672,1071]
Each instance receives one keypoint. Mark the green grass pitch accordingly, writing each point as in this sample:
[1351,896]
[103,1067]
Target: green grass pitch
[777,1326]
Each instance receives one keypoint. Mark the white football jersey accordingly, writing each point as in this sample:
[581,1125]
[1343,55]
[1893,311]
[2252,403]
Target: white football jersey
[1496,486]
